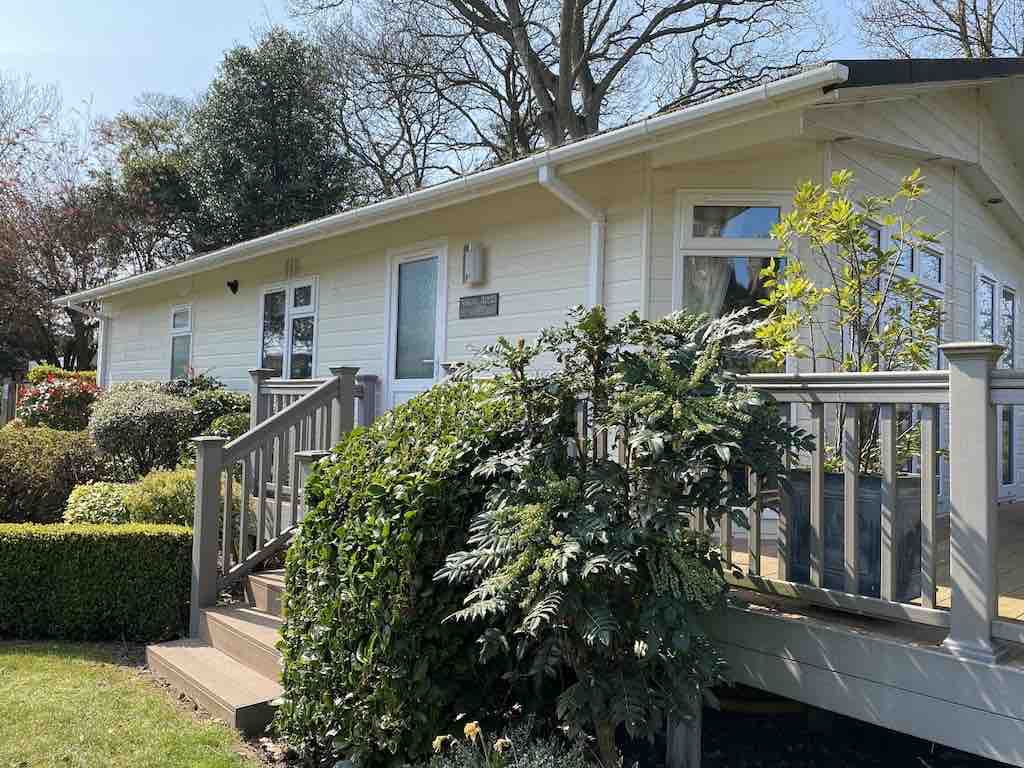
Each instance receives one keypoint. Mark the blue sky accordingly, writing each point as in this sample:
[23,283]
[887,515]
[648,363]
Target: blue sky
[106,52]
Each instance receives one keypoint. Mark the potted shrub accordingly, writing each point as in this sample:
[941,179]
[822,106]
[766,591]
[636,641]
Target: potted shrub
[846,301]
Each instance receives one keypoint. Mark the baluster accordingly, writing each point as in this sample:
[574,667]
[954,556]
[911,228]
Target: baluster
[278,463]
[816,503]
[261,495]
[929,499]
[725,542]
[225,544]
[754,537]
[243,511]
[785,512]
[851,471]
[887,456]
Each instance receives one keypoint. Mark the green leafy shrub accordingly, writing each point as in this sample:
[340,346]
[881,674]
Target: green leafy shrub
[94,582]
[57,403]
[584,566]
[39,467]
[231,425]
[190,386]
[369,670]
[41,373]
[518,747]
[137,423]
[99,502]
[211,404]
[162,496]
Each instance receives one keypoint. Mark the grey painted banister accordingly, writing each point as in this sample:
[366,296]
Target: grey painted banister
[972,483]
[209,462]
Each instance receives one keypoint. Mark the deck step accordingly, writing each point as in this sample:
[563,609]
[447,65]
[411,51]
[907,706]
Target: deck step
[265,591]
[247,635]
[220,684]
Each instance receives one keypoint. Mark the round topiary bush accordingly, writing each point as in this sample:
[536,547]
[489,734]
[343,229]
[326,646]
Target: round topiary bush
[40,467]
[99,502]
[139,424]
[162,496]
[370,673]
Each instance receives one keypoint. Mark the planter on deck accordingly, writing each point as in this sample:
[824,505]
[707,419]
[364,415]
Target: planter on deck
[869,508]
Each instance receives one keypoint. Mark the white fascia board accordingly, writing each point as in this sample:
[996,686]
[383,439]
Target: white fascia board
[519,173]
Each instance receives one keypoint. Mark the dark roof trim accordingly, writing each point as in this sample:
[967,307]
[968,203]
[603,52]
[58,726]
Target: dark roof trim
[868,72]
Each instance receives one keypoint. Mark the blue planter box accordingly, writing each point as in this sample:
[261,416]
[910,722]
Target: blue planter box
[869,509]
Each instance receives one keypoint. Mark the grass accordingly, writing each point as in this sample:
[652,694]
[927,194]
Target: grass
[86,706]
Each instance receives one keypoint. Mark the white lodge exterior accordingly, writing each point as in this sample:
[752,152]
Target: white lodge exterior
[666,213]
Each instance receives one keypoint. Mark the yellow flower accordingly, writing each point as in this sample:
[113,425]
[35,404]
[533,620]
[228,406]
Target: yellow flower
[501,745]
[441,742]
[472,730]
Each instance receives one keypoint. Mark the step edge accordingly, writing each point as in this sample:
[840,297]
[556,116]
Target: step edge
[204,688]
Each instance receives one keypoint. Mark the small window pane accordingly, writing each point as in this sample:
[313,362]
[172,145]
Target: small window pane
[734,221]
[180,319]
[417,310]
[930,265]
[303,296]
[273,332]
[181,349]
[906,259]
[1007,321]
[302,348]
[986,311]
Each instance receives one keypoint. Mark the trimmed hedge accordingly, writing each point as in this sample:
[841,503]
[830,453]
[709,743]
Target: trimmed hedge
[41,373]
[94,582]
[38,468]
[136,423]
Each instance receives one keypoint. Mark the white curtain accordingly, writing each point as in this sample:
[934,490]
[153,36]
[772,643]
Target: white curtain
[706,283]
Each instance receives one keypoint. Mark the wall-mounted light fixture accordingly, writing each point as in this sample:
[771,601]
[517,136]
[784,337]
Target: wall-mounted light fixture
[233,286]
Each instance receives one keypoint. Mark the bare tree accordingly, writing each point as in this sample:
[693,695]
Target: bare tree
[977,29]
[576,55]
[26,109]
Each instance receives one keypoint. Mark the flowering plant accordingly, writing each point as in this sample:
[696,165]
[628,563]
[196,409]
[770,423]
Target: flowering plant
[58,403]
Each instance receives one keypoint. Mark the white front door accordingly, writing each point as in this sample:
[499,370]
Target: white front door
[417,316]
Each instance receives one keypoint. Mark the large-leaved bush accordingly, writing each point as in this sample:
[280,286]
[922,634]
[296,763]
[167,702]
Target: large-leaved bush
[370,671]
[586,569]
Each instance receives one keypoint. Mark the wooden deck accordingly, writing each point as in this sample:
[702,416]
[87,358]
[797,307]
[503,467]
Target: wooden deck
[1010,561]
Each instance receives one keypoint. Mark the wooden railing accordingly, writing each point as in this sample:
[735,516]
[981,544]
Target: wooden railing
[8,399]
[249,492]
[909,512]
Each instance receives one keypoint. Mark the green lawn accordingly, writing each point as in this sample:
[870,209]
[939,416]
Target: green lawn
[80,706]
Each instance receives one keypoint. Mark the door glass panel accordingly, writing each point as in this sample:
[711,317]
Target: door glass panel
[1006,440]
[417,312]
[273,332]
[721,284]
[181,348]
[752,221]
[302,348]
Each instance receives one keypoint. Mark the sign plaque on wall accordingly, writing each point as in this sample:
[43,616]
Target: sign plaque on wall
[482,305]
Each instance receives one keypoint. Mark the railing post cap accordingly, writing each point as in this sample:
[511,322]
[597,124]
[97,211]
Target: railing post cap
[261,373]
[976,349]
[210,439]
[342,370]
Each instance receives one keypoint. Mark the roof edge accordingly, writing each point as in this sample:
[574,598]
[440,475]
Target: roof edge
[499,178]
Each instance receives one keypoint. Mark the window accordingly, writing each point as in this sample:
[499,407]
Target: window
[181,342]
[995,319]
[923,263]
[734,221]
[288,330]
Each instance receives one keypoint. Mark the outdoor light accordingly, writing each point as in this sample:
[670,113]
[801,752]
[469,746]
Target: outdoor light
[233,286]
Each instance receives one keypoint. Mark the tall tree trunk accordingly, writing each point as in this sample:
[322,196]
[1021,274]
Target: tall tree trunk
[606,748]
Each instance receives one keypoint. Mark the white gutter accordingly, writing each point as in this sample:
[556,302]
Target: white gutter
[549,179]
[503,177]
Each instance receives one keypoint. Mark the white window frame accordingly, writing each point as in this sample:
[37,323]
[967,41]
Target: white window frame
[396,257]
[177,332]
[291,313]
[685,244]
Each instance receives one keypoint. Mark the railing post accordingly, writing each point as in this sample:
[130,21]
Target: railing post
[343,406]
[368,402]
[206,517]
[8,398]
[972,517]
[257,376]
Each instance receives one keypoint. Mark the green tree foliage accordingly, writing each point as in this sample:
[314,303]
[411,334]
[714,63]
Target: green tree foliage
[866,313]
[584,567]
[370,672]
[262,155]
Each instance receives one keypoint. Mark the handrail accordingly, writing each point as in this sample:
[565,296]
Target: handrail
[883,386]
[283,419]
